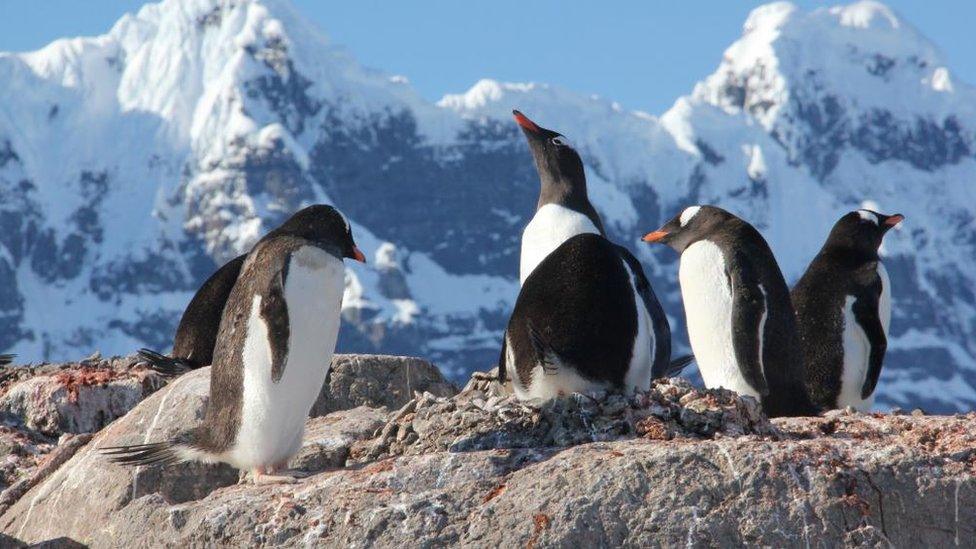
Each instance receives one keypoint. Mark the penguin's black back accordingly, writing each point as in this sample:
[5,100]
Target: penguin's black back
[579,304]
[820,297]
[197,332]
[747,252]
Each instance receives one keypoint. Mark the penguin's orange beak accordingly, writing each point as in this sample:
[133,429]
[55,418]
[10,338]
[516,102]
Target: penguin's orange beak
[894,220]
[525,122]
[358,254]
[656,236]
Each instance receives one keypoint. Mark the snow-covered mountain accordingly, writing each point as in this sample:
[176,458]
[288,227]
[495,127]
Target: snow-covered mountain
[132,163]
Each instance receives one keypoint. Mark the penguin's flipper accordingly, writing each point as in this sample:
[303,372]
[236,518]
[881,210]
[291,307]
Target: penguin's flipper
[544,353]
[274,312]
[501,358]
[6,359]
[748,319]
[661,367]
[677,365]
[865,307]
[163,364]
[156,453]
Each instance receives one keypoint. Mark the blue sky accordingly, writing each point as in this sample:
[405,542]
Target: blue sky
[642,54]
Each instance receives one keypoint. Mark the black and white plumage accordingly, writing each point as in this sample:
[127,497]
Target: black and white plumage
[564,211]
[6,359]
[843,307]
[579,324]
[273,350]
[741,323]
[196,334]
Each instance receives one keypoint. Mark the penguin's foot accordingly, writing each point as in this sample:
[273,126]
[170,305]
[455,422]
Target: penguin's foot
[258,476]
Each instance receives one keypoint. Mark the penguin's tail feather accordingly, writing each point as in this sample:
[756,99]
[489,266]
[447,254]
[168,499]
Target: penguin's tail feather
[6,359]
[678,365]
[163,364]
[154,453]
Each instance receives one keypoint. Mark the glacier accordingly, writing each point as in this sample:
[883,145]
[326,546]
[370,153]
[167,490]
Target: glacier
[133,163]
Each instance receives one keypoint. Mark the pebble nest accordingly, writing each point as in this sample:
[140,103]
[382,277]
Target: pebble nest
[484,417]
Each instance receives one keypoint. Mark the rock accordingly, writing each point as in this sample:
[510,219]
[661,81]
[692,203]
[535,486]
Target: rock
[673,466]
[475,420]
[858,486]
[180,406]
[79,397]
[378,381]
[328,439]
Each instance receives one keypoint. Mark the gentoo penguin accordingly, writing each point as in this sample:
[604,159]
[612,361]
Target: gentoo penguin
[579,325]
[563,211]
[741,323]
[843,308]
[197,332]
[6,359]
[273,351]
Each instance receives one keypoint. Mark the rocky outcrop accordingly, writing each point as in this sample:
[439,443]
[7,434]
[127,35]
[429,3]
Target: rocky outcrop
[673,466]
[49,411]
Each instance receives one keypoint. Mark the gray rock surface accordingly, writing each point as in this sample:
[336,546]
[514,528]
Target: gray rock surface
[675,466]
[75,397]
[377,381]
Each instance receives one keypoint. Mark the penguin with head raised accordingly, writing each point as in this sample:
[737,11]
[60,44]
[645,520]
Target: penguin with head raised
[564,211]
[843,307]
[273,351]
[741,323]
[197,332]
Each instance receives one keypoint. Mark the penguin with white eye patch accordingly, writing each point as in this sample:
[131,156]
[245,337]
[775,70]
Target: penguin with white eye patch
[741,323]
[564,211]
[273,351]
[843,307]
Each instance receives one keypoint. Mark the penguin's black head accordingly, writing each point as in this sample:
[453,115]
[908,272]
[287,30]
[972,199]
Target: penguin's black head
[559,165]
[325,227]
[862,230]
[691,225]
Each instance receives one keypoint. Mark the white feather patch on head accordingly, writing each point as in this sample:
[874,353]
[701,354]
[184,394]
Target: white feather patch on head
[689,213]
[563,141]
[868,216]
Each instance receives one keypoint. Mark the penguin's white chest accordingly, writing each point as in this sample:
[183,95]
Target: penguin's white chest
[550,227]
[708,308]
[274,412]
[857,348]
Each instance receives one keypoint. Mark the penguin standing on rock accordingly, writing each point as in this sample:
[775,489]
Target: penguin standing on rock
[741,323]
[564,211]
[196,335]
[273,351]
[843,307]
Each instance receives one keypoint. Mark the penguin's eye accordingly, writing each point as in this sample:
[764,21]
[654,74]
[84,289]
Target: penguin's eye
[560,141]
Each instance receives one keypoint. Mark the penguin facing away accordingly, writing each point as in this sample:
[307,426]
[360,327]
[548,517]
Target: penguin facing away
[197,332]
[563,210]
[578,325]
[273,351]
[741,323]
[843,307]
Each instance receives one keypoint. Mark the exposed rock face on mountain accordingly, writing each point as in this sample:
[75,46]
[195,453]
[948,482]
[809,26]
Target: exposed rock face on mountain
[674,466]
[122,186]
